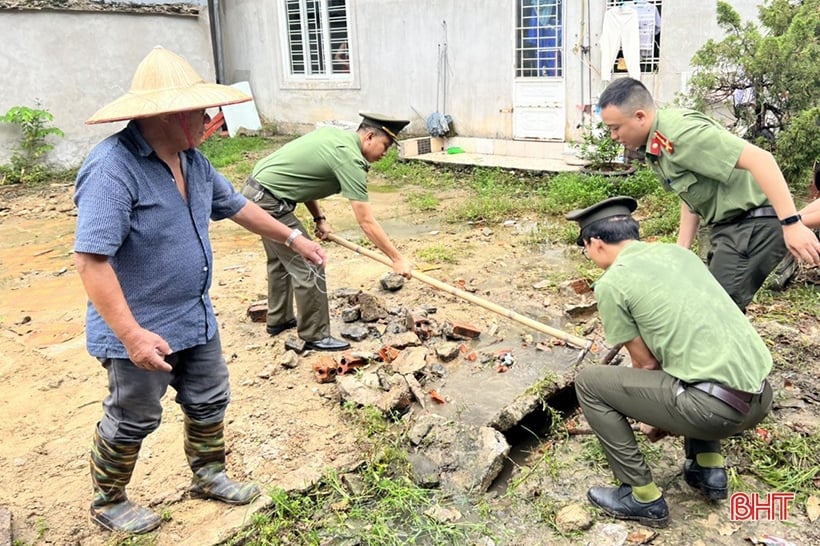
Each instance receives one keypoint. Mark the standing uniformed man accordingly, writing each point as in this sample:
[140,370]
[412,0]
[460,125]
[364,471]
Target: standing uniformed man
[324,162]
[698,366]
[729,184]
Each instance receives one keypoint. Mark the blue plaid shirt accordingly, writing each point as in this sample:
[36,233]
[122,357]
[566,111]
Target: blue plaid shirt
[129,209]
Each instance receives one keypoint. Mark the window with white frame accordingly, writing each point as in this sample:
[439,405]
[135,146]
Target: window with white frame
[539,47]
[649,33]
[318,44]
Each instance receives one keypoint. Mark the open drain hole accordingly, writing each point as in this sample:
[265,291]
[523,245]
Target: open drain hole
[525,437]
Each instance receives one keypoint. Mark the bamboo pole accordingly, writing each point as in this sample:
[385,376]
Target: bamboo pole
[579,342]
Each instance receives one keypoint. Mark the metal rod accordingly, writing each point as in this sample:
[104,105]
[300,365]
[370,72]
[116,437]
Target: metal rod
[579,342]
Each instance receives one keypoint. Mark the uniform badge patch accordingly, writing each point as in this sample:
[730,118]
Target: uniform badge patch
[660,142]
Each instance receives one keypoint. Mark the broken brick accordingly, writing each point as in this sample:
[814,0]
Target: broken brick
[325,369]
[258,311]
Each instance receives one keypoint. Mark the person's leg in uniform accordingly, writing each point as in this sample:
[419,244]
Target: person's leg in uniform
[280,288]
[608,396]
[743,254]
[203,391]
[704,468]
[280,292]
[309,287]
[131,411]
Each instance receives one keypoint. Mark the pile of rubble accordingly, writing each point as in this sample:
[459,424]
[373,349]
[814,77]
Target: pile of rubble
[410,351]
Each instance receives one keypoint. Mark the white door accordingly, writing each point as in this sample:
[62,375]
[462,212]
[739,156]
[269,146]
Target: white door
[538,86]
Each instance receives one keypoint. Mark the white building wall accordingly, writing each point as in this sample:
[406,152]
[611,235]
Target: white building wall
[397,55]
[76,62]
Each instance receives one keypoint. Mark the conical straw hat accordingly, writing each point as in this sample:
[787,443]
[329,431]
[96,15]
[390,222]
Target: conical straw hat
[164,83]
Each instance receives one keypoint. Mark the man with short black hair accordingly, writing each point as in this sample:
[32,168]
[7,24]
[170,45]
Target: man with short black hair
[725,182]
[325,162]
[698,366]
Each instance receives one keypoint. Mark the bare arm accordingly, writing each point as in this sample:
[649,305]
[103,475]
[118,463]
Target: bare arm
[256,220]
[811,214]
[800,240]
[641,356]
[145,348]
[374,232]
[688,229]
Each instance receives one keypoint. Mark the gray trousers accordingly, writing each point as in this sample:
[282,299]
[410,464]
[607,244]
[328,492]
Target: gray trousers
[291,277]
[743,254]
[133,409]
[608,395]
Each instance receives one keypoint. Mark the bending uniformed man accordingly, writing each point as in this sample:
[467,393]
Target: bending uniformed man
[699,368]
[324,162]
[725,182]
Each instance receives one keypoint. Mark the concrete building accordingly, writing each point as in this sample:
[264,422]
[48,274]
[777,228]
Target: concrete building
[514,73]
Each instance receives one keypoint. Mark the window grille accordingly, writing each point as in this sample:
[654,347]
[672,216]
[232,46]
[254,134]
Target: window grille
[317,38]
[539,39]
[649,32]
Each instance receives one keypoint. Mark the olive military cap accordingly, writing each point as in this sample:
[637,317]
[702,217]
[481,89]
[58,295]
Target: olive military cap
[389,125]
[614,206]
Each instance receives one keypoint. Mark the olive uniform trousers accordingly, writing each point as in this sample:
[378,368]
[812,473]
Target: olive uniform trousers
[608,395]
[290,275]
[743,253]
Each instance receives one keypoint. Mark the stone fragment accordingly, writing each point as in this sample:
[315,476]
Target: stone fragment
[289,360]
[392,282]
[447,350]
[573,518]
[351,314]
[355,332]
[372,307]
[295,343]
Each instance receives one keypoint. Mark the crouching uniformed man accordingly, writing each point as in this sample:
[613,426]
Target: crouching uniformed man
[698,366]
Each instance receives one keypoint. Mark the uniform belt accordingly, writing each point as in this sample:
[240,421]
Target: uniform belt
[739,400]
[252,182]
[759,212]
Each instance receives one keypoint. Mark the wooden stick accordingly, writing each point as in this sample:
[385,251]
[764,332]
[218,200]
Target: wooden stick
[570,339]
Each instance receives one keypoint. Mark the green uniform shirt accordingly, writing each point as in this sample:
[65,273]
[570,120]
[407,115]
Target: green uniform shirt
[666,295]
[701,165]
[324,162]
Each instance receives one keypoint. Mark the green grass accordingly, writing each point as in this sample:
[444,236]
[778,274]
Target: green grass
[422,201]
[783,459]
[439,253]
[380,506]
[235,157]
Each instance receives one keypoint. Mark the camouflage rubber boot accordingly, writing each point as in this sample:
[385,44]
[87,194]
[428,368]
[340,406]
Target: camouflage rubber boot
[205,449]
[111,469]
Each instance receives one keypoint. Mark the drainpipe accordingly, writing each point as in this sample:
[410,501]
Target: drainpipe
[216,40]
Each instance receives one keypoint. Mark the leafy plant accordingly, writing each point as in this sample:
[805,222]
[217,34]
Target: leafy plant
[25,165]
[764,75]
[598,148]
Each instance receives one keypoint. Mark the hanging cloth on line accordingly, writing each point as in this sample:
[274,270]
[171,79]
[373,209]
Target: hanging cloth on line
[620,30]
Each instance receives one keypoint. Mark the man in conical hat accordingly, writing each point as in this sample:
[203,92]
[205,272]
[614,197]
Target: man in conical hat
[145,197]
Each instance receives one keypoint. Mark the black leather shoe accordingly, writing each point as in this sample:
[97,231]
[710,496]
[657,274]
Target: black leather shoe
[712,482]
[279,328]
[619,503]
[327,344]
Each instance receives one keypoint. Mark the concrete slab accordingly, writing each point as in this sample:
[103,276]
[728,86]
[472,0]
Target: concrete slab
[501,161]
[5,527]
[478,394]
[505,154]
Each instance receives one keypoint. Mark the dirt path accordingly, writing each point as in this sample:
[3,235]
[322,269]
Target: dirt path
[283,428]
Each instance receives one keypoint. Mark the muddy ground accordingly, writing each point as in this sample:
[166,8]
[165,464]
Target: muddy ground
[283,427]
